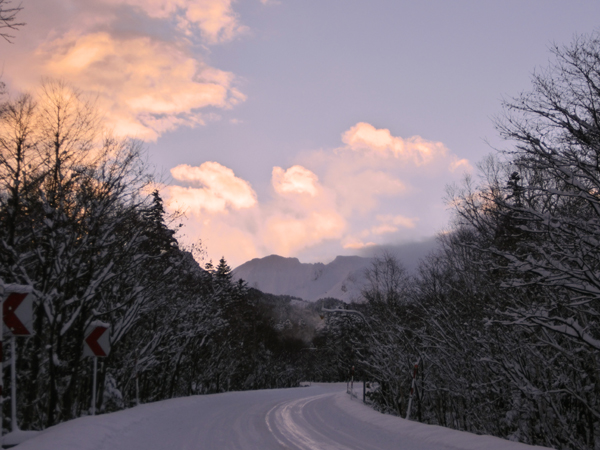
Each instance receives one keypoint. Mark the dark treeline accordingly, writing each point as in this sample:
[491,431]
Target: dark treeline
[79,222]
[503,319]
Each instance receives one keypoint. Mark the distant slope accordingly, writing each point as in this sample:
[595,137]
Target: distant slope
[343,278]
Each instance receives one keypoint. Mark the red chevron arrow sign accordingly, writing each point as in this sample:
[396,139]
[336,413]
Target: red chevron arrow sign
[96,341]
[17,309]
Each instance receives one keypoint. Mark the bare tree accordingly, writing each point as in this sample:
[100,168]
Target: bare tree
[387,281]
[8,19]
[17,155]
[536,218]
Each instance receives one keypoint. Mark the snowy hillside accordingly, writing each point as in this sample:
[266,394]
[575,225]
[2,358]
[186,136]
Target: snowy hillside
[343,278]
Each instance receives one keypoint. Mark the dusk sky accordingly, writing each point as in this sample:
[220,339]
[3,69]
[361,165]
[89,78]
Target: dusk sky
[299,127]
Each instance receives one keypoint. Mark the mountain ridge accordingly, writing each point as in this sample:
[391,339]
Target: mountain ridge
[342,278]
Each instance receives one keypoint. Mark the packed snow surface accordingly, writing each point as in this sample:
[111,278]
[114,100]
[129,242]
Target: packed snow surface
[319,417]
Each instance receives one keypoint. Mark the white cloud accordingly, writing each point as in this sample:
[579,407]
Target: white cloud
[145,84]
[460,164]
[384,229]
[365,137]
[328,199]
[359,188]
[392,223]
[220,189]
[296,179]
[353,243]
[214,18]
[146,87]
[288,234]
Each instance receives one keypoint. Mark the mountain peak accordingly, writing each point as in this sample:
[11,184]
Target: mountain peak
[343,278]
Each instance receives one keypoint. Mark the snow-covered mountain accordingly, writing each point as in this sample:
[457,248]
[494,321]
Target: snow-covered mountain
[343,278]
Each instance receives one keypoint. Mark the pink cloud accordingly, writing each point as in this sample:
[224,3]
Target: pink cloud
[145,85]
[217,202]
[360,188]
[390,223]
[384,229]
[460,163]
[330,198]
[289,234]
[296,179]
[365,137]
[220,189]
[214,18]
[356,244]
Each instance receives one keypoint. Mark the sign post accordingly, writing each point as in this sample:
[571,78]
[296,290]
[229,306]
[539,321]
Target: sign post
[17,315]
[137,384]
[94,386]
[96,343]
[13,384]
[1,363]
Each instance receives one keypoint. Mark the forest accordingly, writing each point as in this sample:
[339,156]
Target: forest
[501,320]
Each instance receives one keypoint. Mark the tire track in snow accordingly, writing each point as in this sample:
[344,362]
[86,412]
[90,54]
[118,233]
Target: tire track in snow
[288,424]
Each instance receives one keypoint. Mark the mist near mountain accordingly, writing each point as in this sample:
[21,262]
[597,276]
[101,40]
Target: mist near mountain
[409,254]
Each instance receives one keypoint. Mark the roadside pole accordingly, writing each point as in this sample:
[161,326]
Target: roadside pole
[412,390]
[1,361]
[352,383]
[95,358]
[13,384]
[364,390]
[137,384]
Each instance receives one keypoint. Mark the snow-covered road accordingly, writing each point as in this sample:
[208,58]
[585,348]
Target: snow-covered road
[320,417]
[319,422]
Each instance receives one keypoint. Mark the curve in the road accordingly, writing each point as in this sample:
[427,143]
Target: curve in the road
[318,423]
[289,425]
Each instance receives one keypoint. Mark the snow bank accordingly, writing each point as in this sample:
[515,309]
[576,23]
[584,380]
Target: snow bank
[92,432]
[429,434]
[16,437]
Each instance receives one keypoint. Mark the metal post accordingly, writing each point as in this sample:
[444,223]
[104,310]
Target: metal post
[364,391]
[94,387]
[13,384]
[137,384]
[412,390]
[1,359]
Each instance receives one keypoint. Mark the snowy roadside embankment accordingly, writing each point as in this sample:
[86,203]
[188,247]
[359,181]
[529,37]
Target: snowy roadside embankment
[93,432]
[432,435]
